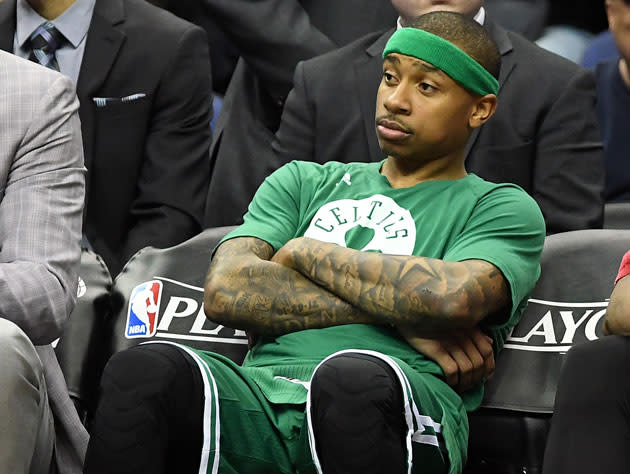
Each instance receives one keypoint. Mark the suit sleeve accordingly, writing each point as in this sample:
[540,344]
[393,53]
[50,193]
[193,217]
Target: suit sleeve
[40,217]
[173,181]
[569,171]
[295,138]
[272,36]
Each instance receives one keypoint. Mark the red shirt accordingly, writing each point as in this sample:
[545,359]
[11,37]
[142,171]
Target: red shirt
[624,268]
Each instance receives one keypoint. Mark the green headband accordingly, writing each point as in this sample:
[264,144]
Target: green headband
[444,55]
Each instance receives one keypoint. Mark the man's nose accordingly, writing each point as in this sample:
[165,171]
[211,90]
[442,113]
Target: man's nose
[398,100]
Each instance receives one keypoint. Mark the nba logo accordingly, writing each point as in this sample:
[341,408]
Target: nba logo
[144,305]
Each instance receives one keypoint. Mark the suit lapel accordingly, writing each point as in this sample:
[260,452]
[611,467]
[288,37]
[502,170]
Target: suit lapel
[103,44]
[101,49]
[365,69]
[501,38]
[7,25]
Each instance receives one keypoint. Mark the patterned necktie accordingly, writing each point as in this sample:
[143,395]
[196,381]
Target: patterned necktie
[45,40]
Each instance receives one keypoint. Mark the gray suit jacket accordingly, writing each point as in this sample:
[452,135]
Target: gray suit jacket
[42,190]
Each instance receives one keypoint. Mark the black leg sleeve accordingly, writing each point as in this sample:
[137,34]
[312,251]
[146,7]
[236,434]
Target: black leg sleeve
[590,428]
[149,417]
[358,416]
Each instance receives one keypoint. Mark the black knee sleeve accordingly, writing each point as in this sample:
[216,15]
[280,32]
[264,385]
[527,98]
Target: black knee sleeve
[150,413]
[358,416]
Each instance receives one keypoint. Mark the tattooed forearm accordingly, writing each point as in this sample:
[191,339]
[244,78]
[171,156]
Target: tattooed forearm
[244,290]
[425,293]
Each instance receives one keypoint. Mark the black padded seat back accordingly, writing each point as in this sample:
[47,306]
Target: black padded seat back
[509,432]
[566,307]
[159,296]
[617,215]
[82,346]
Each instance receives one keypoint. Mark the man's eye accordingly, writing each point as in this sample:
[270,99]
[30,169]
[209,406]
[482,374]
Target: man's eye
[425,87]
[388,77]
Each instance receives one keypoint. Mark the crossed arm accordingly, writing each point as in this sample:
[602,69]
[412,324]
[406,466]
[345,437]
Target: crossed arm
[436,305]
[247,289]
[310,284]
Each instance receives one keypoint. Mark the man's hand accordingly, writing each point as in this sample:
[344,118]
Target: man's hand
[466,356]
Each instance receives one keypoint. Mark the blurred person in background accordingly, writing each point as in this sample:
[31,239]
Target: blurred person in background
[572,25]
[613,105]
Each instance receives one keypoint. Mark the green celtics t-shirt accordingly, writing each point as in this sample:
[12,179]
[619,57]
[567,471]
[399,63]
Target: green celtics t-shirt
[354,206]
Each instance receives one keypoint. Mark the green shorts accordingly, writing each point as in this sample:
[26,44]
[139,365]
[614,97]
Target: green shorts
[245,433]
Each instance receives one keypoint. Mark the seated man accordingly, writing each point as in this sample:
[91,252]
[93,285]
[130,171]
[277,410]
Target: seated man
[375,294]
[591,419]
[42,179]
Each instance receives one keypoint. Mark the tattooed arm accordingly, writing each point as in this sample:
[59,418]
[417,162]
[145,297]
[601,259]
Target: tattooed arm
[246,289]
[427,295]
[250,288]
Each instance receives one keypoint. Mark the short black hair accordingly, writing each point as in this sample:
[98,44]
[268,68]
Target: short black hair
[466,34]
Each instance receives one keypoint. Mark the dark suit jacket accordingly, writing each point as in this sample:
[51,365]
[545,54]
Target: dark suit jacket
[272,36]
[527,17]
[147,160]
[543,137]
[223,54]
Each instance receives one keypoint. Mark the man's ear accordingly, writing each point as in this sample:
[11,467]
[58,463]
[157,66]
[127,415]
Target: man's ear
[610,13]
[483,109]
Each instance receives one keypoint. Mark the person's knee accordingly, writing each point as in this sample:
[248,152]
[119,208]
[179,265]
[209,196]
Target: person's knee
[18,358]
[152,404]
[356,380]
[143,371]
[590,374]
[12,339]
[358,415]
[609,353]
